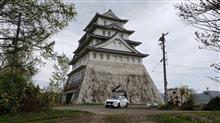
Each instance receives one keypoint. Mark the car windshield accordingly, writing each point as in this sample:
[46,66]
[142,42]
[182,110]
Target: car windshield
[114,97]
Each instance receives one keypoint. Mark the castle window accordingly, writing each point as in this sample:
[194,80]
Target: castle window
[127,59]
[114,43]
[94,55]
[115,58]
[133,59]
[105,23]
[109,33]
[103,32]
[119,43]
[122,36]
[139,61]
[101,56]
[108,57]
[121,58]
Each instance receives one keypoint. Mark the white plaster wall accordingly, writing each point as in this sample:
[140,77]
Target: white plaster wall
[117,45]
[112,58]
[115,58]
[99,31]
[82,61]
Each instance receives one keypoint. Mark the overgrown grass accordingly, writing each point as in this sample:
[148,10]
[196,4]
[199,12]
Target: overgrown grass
[47,116]
[192,117]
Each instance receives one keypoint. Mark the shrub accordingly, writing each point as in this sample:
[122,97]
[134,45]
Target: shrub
[214,104]
[174,104]
[189,104]
[20,95]
[11,93]
[171,105]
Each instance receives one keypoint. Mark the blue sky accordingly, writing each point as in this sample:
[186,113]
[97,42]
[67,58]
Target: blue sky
[187,64]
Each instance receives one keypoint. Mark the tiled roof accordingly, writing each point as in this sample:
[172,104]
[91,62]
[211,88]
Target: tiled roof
[110,13]
[107,15]
[114,27]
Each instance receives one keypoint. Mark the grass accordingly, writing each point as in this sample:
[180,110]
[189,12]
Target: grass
[116,119]
[192,117]
[47,116]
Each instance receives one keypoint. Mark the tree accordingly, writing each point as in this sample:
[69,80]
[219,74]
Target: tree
[204,15]
[26,27]
[58,78]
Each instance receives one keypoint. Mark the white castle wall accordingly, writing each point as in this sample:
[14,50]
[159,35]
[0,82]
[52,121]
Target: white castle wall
[112,58]
[99,31]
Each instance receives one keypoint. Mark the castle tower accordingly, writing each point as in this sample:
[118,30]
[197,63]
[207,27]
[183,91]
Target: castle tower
[106,62]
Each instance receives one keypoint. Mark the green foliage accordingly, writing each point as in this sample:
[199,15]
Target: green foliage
[166,118]
[214,104]
[11,94]
[58,78]
[189,104]
[173,104]
[26,27]
[49,115]
[181,117]
[20,95]
[39,20]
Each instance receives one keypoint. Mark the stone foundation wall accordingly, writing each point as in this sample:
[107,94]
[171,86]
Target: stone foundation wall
[101,77]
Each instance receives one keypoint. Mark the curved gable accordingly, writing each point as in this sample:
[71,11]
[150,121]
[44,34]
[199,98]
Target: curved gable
[117,43]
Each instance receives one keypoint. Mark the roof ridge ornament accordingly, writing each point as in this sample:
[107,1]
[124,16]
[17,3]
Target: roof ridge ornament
[110,13]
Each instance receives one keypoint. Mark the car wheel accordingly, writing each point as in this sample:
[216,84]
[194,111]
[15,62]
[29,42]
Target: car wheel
[118,105]
[106,106]
[126,105]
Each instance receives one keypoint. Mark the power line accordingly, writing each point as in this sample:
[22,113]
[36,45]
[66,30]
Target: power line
[185,74]
[186,66]
[156,66]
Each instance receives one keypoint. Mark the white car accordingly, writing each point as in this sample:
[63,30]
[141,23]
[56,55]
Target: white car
[116,101]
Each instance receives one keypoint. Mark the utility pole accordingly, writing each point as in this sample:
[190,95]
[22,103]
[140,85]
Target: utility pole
[162,44]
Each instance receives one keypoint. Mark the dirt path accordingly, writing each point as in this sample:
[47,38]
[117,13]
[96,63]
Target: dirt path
[132,114]
[107,119]
[131,110]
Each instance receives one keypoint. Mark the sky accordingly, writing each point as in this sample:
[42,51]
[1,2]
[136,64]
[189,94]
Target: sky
[187,64]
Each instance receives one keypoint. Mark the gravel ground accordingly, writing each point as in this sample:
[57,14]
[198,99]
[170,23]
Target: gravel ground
[131,110]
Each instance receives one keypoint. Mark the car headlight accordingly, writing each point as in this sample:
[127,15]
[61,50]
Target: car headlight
[115,103]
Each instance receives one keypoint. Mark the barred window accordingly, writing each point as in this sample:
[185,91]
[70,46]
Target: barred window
[94,55]
[108,57]
[101,56]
